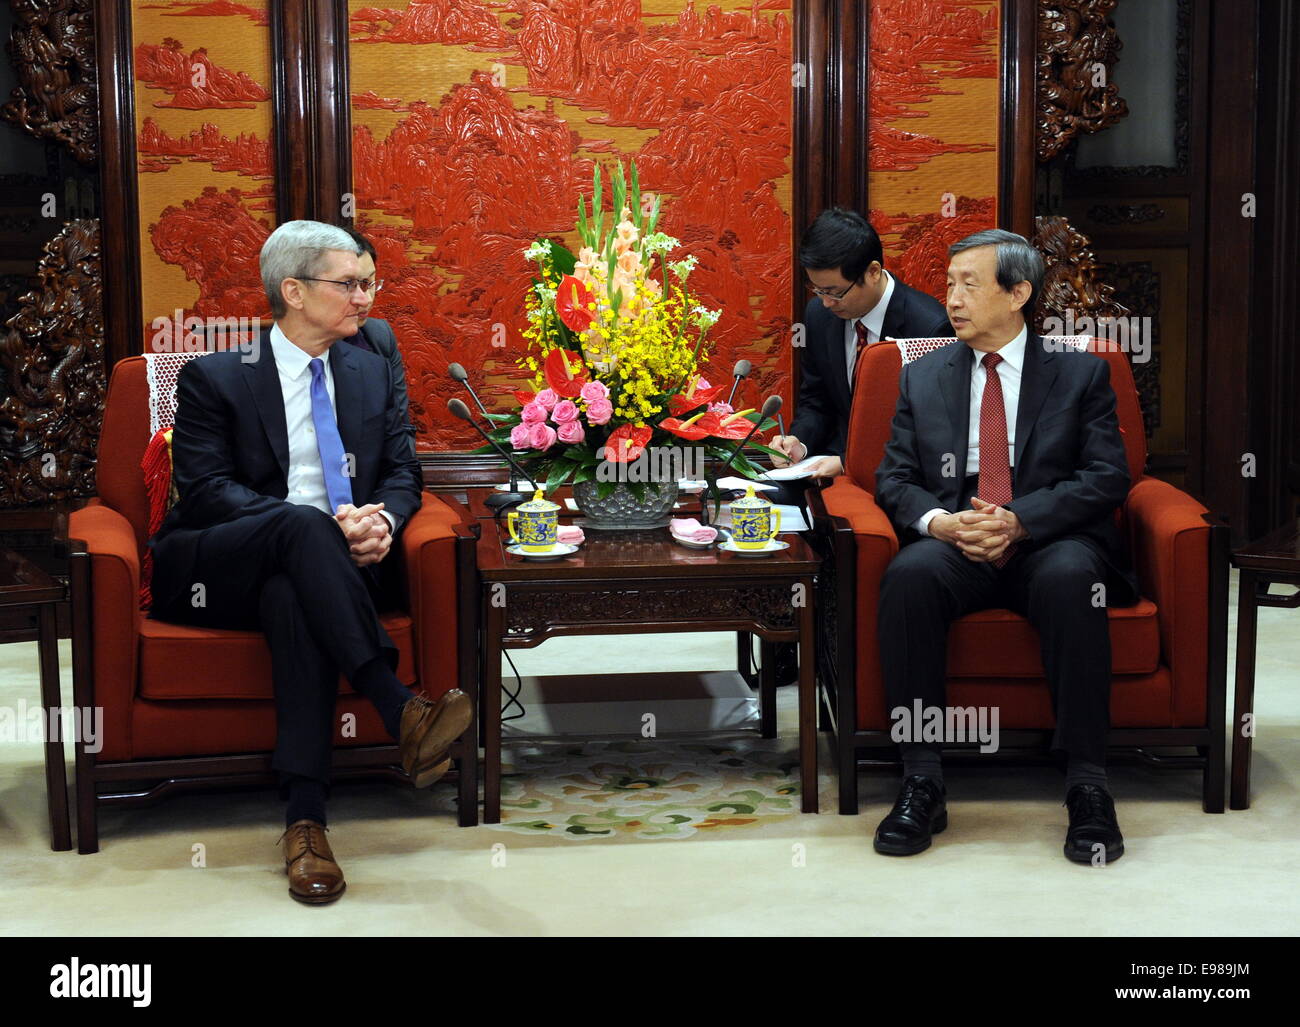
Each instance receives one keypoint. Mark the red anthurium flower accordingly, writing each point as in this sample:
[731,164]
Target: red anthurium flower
[523,397]
[565,372]
[627,443]
[693,397]
[734,426]
[571,300]
[689,429]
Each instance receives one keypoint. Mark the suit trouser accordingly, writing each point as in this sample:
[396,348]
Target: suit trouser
[929,584]
[287,573]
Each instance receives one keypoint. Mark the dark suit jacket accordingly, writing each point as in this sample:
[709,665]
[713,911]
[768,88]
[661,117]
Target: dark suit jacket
[822,414]
[1069,472]
[378,335]
[230,447]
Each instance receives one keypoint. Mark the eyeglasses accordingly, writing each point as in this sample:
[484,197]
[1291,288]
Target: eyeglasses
[366,285]
[831,294]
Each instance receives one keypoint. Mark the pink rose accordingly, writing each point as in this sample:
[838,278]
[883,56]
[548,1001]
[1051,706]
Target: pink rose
[701,383]
[541,436]
[593,391]
[533,413]
[600,411]
[565,411]
[521,436]
[721,408]
[547,397]
[571,431]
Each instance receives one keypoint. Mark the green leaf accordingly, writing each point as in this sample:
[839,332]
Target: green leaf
[560,472]
[605,489]
[583,474]
[562,260]
[637,488]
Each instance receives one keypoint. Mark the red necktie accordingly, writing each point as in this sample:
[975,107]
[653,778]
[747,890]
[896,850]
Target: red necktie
[995,463]
[863,341]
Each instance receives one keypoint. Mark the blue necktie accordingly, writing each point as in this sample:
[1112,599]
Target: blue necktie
[338,486]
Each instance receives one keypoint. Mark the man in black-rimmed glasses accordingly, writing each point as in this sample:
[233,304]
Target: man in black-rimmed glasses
[376,334]
[855,303]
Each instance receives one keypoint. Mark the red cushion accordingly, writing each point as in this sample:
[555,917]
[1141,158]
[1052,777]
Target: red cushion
[178,662]
[164,730]
[1001,643]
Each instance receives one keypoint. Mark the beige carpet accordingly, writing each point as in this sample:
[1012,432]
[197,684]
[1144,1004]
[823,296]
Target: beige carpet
[680,837]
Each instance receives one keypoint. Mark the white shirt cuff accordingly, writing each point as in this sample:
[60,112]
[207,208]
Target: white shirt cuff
[392,521]
[922,524]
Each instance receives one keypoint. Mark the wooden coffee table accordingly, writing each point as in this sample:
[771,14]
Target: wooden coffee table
[1273,559]
[626,582]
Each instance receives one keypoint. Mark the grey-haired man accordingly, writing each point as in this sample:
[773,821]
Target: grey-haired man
[1002,475]
[295,472]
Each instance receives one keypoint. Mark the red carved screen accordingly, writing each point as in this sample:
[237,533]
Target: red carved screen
[203,134]
[933,124]
[476,125]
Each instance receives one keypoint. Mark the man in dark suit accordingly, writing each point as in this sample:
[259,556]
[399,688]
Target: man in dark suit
[1002,475]
[375,334]
[856,302]
[295,473]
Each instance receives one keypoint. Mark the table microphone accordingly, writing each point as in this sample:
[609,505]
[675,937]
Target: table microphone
[770,406]
[741,370]
[497,499]
[461,375]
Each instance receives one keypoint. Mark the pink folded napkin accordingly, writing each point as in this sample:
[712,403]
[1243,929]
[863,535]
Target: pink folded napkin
[569,534]
[688,529]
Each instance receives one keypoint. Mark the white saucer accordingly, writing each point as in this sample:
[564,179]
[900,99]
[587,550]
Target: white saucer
[774,546]
[554,553]
[691,545]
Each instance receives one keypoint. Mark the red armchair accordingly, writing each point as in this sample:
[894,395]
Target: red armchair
[186,707]
[1169,650]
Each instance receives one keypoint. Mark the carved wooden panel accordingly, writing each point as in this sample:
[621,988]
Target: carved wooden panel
[529,611]
[52,355]
[1077,51]
[52,48]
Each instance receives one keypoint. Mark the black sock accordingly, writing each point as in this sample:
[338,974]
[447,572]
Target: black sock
[923,760]
[377,682]
[1081,772]
[306,801]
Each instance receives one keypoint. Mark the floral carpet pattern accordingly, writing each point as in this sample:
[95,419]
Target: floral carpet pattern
[648,789]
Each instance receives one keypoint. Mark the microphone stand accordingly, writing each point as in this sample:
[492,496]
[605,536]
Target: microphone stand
[498,500]
[512,493]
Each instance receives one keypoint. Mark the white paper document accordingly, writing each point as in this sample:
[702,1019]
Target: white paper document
[803,469]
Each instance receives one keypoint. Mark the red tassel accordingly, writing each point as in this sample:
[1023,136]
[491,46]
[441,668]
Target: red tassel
[157,467]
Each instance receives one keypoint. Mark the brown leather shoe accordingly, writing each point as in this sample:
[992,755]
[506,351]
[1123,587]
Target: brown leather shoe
[314,877]
[428,727]
[430,774]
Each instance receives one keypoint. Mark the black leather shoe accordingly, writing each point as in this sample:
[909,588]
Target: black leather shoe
[919,812]
[1092,824]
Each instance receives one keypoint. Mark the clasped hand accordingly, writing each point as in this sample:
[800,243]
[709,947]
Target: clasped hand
[366,530]
[983,533]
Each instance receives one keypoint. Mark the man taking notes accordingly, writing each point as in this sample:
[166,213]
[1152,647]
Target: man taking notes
[855,302]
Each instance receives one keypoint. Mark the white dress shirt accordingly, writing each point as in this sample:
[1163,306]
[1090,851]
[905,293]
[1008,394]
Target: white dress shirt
[306,479]
[874,319]
[1008,372]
